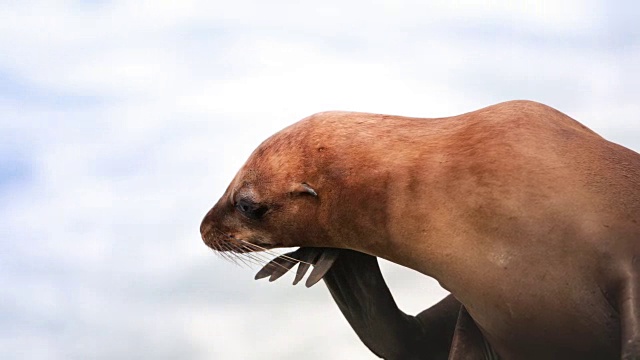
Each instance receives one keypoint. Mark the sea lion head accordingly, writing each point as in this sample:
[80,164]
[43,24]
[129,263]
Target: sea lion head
[271,202]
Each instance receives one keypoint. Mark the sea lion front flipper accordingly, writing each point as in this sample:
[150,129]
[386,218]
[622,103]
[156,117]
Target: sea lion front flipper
[278,266]
[322,265]
[303,267]
[308,257]
[320,258]
[358,287]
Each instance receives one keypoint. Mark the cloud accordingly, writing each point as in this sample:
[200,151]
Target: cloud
[123,122]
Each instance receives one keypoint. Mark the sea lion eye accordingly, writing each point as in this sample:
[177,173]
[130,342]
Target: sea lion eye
[250,209]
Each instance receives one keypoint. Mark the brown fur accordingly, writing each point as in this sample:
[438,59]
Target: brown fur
[528,217]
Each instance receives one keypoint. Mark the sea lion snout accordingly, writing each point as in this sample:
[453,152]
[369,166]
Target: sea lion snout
[212,230]
[206,226]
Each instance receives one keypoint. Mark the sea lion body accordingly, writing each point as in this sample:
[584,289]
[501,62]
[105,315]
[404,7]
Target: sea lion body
[528,217]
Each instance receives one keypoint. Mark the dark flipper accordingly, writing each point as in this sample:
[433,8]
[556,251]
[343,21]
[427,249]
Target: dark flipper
[356,284]
[302,269]
[278,266]
[322,266]
[321,258]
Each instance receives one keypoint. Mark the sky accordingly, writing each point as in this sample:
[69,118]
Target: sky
[122,123]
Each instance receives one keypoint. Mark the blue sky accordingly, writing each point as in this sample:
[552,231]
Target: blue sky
[121,124]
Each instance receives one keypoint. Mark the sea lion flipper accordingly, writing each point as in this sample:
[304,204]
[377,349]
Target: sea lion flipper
[324,263]
[305,257]
[285,265]
[308,256]
[265,271]
[362,295]
[302,269]
[279,265]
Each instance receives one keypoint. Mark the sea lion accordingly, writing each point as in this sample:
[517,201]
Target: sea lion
[530,219]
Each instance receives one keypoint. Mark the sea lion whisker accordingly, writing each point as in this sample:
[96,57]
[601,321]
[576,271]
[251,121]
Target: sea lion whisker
[252,246]
[228,253]
[246,261]
[217,253]
[220,248]
[288,258]
[258,259]
[223,233]
[253,257]
[273,253]
[274,266]
[236,250]
[226,256]
[229,249]
[264,260]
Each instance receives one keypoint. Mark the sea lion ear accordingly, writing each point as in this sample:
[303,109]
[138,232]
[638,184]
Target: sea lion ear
[304,188]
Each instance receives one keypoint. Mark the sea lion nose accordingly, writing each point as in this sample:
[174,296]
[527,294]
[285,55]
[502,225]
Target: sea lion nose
[206,224]
[204,230]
